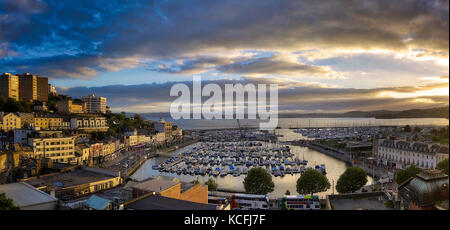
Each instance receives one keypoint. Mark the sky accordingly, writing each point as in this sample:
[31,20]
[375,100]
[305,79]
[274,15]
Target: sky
[326,56]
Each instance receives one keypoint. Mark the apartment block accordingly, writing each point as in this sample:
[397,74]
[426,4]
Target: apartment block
[9,86]
[95,104]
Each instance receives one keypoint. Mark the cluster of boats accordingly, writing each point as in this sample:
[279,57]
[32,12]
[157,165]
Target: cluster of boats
[235,158]
[339,132]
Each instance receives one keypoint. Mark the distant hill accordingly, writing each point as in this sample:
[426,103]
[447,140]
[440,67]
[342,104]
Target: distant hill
[441,112]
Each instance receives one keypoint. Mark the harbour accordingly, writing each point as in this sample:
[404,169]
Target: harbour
[233,182]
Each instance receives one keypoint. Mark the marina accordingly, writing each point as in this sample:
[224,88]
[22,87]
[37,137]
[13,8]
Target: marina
[233,182]
[236,158]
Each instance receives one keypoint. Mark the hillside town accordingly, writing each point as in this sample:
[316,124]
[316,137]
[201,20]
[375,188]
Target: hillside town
[63,153]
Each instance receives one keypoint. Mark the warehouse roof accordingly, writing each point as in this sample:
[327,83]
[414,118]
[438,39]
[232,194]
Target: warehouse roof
[25,195]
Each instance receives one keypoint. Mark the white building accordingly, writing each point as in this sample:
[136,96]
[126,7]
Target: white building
[95,104]
[89,123]
[401,154]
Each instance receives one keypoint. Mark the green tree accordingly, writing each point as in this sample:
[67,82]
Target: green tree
[351,180]
[407,173]
[212,185]
[312,181]
[287,193]
[443,165]
[258,181]
[7,203]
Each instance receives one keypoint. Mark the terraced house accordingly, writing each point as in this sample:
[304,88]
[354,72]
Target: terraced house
[48,121]
[401,154]
[10,121]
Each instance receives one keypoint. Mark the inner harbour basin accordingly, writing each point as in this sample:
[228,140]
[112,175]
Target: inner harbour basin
[228,162]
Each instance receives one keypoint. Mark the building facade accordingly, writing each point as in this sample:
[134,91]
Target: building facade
[10,121]
[401,154]
[95,104]
[164,127]
[9,86]
[48,121]
[96,123]
[68,106]
[58,149]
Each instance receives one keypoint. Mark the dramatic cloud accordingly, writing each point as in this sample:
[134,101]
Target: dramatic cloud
[118,30]
[294,96]
[335,55]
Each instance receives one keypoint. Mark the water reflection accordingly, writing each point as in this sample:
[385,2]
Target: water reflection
[334,166]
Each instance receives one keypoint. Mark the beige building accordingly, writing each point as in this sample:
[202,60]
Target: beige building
[9,86]
[401,154]
[164,127]
[95,104]
[130,141]
[109,148]
[48,121]
[10,121]
[142,139]
[83,152]
[96,150]
[67,106]
[91,123]
[27,119]
[59,149]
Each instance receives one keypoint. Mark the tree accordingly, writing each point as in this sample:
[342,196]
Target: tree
[258,181]
[443,165]
[407,173]
[351,180]
[417,129]
[212,185]
[312,181]
[287,193]
[7,203]
[407,128]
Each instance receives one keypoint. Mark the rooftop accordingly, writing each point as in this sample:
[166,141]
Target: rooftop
[164,203]
[155,185]
[25,195]
[68,179]
[97,203]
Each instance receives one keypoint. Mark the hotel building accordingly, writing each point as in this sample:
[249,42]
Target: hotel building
[401,154]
